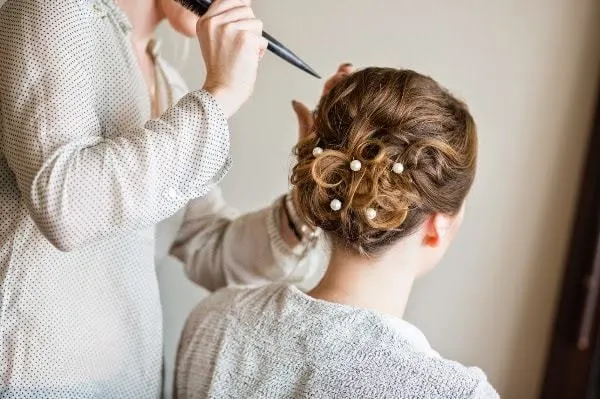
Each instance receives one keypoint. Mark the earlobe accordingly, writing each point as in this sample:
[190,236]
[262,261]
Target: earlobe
[430,238]
[431,241]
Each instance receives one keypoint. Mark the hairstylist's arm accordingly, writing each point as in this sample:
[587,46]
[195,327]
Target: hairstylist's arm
[218,246]
[83,181]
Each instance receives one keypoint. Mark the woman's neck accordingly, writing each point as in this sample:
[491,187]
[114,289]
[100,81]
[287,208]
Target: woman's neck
[382,284]
[144,16]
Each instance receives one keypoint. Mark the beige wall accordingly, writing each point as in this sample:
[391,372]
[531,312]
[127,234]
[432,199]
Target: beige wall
[528,69]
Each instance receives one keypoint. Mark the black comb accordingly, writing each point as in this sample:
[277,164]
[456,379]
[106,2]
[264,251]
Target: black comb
[199,7]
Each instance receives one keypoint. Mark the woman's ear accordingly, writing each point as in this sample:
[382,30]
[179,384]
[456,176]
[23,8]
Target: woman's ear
[180,18]
[436,235]
[437,230]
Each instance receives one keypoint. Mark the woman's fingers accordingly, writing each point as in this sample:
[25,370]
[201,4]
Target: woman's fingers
[305,118]
[232,45]
[237,13]
[346,68]
[304,114]
[220,6]
[254,26]
[342,71]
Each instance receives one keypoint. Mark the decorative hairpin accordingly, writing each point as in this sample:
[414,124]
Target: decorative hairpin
[371,213]
[317,151]
[355,165]
[398,168]
[335,205]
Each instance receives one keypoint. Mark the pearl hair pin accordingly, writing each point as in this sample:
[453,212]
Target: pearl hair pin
[317,151]
[398,168]
[371,213]
[355,165]
[335,205]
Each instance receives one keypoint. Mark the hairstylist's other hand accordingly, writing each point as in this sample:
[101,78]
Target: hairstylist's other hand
[304,114]
[232,46]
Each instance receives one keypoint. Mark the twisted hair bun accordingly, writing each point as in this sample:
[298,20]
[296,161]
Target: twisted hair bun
[382,116]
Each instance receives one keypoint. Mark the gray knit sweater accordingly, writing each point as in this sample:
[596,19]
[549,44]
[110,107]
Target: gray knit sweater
[277,342]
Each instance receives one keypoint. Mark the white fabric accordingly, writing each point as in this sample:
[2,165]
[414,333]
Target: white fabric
[83,178]
[276,342]
[220,247]
[214,233]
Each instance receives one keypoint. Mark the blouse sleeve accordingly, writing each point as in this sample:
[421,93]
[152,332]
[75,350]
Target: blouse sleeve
[220,247]
[79,184]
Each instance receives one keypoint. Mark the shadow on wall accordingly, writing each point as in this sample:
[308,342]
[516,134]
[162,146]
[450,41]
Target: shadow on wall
[552,238]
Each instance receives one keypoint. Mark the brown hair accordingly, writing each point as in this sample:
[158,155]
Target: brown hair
[380,116]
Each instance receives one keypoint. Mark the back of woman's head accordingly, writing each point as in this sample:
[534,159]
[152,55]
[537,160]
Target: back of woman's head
[382,117]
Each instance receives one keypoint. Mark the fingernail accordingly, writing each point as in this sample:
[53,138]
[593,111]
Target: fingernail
[347,64]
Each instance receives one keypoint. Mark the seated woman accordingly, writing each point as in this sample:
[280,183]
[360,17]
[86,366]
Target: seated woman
[384,174]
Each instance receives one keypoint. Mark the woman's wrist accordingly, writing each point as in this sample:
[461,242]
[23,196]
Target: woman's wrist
[302,231]
[223,97]
[287,228]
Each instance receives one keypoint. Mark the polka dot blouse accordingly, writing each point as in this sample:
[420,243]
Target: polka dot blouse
[83,177]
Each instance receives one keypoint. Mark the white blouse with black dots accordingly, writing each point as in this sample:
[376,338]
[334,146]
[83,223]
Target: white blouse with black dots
[83,177]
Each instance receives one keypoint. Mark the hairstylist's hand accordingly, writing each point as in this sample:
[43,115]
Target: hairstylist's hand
[305,115]
[232,46]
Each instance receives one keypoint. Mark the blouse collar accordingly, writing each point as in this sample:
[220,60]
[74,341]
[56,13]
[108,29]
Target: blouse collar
[109,8]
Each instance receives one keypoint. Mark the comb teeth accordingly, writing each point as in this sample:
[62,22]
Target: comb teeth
[198,7]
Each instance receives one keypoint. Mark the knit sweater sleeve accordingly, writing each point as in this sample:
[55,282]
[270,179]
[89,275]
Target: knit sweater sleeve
[483,390]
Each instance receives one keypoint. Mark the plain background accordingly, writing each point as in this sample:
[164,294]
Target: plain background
[529,72]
